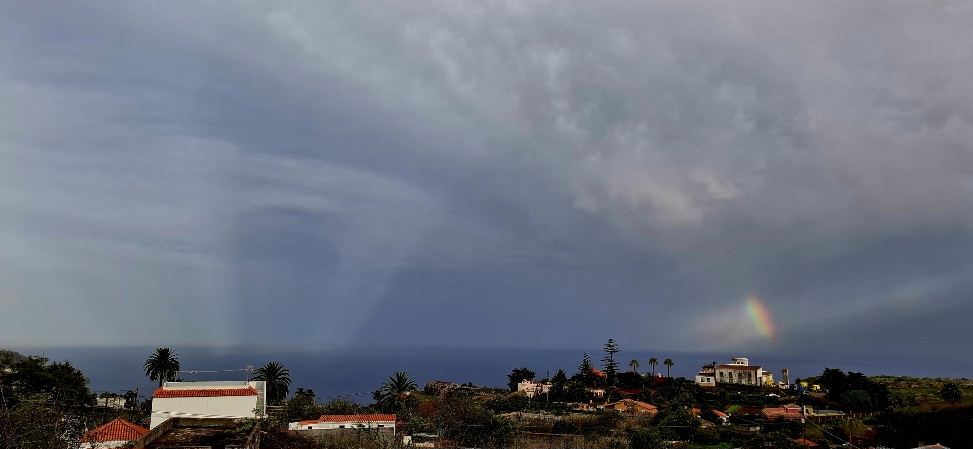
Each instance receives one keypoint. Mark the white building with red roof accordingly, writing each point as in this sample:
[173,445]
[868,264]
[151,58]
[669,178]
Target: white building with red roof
[226,399]
[337,422]
[117,433]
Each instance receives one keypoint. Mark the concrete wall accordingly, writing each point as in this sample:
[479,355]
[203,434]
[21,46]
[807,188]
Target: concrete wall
[386,433]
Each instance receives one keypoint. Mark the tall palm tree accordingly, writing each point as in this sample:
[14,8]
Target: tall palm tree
[668,363]
[278,381]
[653,362]
[634,364]
[162,365]
[392,395]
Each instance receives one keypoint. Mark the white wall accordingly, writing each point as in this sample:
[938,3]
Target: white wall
[104,444]
[207,407]
[341,425]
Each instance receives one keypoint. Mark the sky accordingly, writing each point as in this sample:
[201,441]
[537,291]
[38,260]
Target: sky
[781,177]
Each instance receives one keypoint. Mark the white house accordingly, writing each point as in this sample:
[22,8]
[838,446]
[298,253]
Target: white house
[532,388]
[381,422]
[115,402]
[740,371]
[707,375]
[225,399]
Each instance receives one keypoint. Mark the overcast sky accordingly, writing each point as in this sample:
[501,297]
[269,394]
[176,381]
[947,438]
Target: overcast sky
[489,174]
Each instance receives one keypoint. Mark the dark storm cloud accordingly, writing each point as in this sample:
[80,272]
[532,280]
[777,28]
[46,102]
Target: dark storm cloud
[633,170]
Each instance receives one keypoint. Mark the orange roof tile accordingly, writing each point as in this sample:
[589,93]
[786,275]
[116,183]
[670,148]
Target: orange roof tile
[117,430]
[162,392]
[782,412]
[351,418]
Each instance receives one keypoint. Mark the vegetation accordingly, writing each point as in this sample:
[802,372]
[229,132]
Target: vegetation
[466,423]
[278,381]
[611,366]
[951,393]
[870,396]
[857,401]
[162,365]
[586,373]
[907,427]
[668,363]
[9,357]
[394,395]
[43,405]
[653,362]
[519,375]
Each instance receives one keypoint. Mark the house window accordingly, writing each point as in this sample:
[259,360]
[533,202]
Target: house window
[342,426]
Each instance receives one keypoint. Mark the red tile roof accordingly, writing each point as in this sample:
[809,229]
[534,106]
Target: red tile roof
[162,392]
[782,412]
[117,430]
[350,418]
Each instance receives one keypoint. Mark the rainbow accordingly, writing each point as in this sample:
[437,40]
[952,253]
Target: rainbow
[763,321]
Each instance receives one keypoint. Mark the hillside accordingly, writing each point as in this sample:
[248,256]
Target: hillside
[924,392]
[13,355]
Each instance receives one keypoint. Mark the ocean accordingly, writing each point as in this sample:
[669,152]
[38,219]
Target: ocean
[354,373]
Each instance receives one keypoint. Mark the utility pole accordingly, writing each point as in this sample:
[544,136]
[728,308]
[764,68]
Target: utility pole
[135,404]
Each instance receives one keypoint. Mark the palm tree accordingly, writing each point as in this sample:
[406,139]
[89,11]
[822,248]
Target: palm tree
[392,395]
[668,363]
[162,365]
[653,362]
[278,381]
[634,364]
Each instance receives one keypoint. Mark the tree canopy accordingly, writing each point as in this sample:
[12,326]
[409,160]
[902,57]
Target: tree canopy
[42,404]
[278,381]
[668,363]
[838,383]
[951,392]
[611,366]
[394,393]
[518,375]
[586,372]
[162,365]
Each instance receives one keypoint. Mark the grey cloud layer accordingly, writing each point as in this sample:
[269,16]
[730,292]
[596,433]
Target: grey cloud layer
[331,169]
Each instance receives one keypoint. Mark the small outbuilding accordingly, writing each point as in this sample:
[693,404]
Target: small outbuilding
[339,426]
